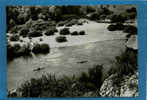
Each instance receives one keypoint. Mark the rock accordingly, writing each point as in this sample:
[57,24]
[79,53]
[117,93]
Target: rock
[130,87]
[127,87]
[108,89]
[90,94]
[132,42]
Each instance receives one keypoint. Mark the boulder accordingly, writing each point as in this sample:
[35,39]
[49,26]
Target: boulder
[132,42]
[114,87]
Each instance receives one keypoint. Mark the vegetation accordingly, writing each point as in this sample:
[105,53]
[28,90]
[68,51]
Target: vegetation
[49,32]
[114,27]
[118,18]
[14,38]
[61,39]
[41,48]
[35,34]
[130,29]
[82,33]
[24,32]
[50,86]
[126,63]
[64,31]
[16,50]
[74,33]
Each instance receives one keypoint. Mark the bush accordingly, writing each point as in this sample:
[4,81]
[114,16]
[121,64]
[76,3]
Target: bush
[94,77]
[114,27]
[61,23]
[119,26]
[111,27]
[68,24]
[127,62]
[82,33]
[50,86]
[36,49]
[49,32]
[130,29]
[41,48]
[74,33]
[65,31]
[118,18]
[14,38]
[24,32]
[35,34]
[44,48]
[80,23]
[16,50]
[61,39]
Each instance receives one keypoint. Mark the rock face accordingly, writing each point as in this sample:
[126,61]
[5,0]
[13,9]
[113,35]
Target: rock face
[132,42]
[114,87]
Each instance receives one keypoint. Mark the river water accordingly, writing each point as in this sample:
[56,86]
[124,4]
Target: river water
[98,46]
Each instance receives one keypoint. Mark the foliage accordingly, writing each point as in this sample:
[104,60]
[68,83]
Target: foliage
[61,39]
[34,34]
[82,33]
[50,86]
[64,31]
[127,62]
[130,29]
[14,38]
[74,33]
[118,18]
[41,48]
[24,32]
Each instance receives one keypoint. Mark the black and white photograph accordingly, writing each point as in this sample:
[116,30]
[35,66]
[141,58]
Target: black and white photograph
[72,51]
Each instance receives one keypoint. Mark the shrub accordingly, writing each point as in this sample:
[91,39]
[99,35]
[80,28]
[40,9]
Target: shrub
[35,34]
[130,29]
[14,38]
[68,24]
[82,33]
[44,48]
[118,18]
[50,86]
[41,48]
[79,23]
[61,23]
[49,32]
[74,33]
[64,31]
[119,26]
[36,49]
[24,32]
[61,39]
[126,62]
[16,50]
[111,27]
[94,77]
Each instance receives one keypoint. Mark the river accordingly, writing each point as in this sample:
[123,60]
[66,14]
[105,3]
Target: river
[98,46]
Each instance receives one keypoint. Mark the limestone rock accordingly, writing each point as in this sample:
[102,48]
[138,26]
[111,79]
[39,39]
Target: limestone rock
[127,87]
